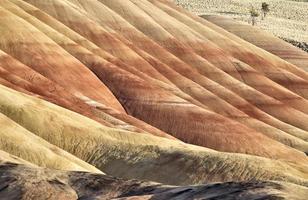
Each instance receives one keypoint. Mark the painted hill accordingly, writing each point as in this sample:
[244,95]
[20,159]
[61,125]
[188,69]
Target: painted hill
[142,89]
[263,40]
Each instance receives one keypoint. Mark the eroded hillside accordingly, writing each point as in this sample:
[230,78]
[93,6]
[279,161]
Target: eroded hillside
[143,89]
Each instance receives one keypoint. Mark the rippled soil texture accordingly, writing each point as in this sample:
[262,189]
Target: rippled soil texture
[144,91]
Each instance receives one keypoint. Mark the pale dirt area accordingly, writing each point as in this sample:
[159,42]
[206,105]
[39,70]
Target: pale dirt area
[286,19]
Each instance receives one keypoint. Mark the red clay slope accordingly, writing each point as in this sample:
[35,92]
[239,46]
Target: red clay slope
[131,13]
[211,101]
[57,94]
[162,71]
[50,60]
[98,11]
[262,39]
[241,49]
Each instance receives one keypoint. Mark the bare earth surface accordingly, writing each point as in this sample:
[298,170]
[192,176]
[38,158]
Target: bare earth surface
[263,39]
[119,99]
[24,183]
[286,19]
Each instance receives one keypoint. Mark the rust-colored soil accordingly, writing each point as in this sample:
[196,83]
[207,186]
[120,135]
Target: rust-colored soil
[142,89]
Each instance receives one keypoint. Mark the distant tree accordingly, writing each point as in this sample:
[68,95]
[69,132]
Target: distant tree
[253,14]
[265,9]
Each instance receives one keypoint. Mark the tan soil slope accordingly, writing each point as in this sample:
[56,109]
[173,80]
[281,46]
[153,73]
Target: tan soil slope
[132,13]
[6,157]
[93,86]
[140,101]
[18,141]
[154,112]
[80,81]
[20,182]
[60,94]
[262,39]
[23,78]
[208,50]
[99,13]
[131,155]
[248,53]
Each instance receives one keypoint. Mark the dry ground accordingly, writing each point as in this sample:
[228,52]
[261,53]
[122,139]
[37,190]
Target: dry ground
[286,19]
[143,89]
